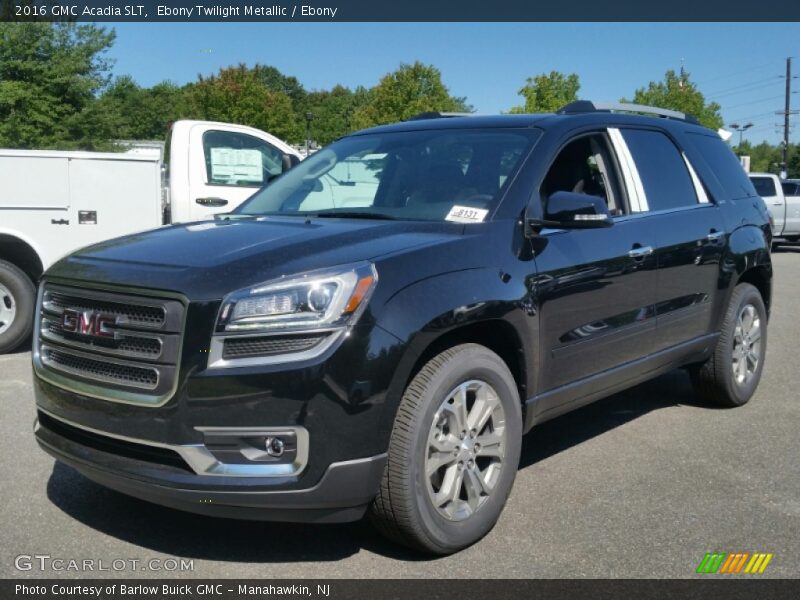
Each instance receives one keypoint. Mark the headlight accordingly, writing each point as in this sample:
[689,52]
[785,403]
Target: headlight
[318,299]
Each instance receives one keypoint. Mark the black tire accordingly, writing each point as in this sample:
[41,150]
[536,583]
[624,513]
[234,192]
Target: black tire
[404,510]
[715,381]
[22,294]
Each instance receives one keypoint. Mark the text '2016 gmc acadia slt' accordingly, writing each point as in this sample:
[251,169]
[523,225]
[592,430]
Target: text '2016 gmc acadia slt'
[376,329]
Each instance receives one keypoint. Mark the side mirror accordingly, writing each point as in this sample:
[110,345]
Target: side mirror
[288,161]
[569,210]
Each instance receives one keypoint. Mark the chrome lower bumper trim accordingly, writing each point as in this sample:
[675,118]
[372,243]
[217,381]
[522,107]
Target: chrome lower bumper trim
[203,462]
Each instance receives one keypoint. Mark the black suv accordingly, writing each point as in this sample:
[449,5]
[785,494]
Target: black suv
[376,329]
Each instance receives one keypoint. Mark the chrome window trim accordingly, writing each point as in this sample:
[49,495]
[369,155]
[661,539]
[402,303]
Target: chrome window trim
[203,462]
[702,197]
[633,182]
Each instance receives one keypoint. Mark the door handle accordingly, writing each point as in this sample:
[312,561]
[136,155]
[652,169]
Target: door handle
[640,252]
[59,221]
[715,236]
[212,201]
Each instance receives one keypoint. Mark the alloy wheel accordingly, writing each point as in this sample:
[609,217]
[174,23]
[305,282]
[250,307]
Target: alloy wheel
[465,450]
[746,344]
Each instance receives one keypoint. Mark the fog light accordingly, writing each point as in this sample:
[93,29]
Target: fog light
[274,446]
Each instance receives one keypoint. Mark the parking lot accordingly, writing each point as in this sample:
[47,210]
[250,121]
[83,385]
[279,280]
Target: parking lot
[641,484]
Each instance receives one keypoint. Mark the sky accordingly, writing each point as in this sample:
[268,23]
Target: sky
[739,65]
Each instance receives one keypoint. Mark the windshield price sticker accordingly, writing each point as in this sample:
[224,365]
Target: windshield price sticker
[466,214]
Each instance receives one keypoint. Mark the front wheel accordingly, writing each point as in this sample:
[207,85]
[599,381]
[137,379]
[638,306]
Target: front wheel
[17,297]
[453,453]
[730,377]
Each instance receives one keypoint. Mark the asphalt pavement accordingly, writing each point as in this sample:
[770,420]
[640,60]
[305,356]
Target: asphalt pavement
[641,484]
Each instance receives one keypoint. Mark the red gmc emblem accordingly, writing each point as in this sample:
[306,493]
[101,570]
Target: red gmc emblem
[88,323]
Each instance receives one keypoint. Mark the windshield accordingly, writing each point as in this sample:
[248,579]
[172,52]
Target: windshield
[419,175]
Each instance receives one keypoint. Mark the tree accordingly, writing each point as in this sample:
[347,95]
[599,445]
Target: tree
[333,111]
[276,81]
[548,93]
[133,112]
[676,92]
[49,76]
[239,95]
[410,90]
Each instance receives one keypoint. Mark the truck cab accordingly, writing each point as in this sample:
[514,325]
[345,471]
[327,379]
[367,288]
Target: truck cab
[782,198]
[54,202]
[213,167]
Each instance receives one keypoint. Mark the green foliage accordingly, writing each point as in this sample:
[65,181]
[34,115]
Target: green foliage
[333,111]
[240,95]
[131,112]
[548,93]
[49,76]
[56,92]
[676,92]
[410,90]
[765,158]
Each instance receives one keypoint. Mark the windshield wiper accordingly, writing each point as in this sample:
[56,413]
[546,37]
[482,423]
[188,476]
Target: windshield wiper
[354,215]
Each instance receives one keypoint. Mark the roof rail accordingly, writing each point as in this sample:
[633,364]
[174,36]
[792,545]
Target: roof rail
[438,115]
[587,106]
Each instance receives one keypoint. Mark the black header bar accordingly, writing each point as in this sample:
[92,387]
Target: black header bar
[188,11]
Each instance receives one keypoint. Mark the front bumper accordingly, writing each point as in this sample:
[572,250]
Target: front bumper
[138,469]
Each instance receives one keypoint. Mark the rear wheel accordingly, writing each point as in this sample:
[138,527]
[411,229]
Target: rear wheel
[730,377]
[453,454]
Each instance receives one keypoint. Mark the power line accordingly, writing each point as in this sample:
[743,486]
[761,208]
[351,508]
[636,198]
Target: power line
[754,102]
[729,75]
[739,88]
[755,117]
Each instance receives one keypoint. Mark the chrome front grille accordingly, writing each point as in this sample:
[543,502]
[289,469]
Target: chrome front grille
[101,370]
[121,347]
[138,316]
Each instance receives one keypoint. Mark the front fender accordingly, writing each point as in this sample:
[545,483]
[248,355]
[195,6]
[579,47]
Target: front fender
[423,312]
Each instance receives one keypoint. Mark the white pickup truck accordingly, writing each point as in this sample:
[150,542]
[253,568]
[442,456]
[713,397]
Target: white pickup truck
[53,203]
[783,201]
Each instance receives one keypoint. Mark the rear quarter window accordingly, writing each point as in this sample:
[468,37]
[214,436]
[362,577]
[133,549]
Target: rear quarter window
[718,155]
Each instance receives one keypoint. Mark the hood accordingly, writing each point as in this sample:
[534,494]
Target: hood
[208,259]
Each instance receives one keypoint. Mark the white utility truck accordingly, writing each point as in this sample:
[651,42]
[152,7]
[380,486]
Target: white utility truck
[53,203]
[784,207]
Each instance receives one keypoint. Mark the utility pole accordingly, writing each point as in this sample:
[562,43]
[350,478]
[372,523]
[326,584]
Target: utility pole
[786,112]
[785,168]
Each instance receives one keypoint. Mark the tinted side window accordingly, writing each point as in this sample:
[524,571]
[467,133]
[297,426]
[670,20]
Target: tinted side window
[725,165]
[790,188]
[765,186]
[665,178]
[239,159]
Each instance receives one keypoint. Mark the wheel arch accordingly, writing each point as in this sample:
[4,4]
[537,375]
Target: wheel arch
[760,276]
[749,261]
[22,254]
[499,335]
